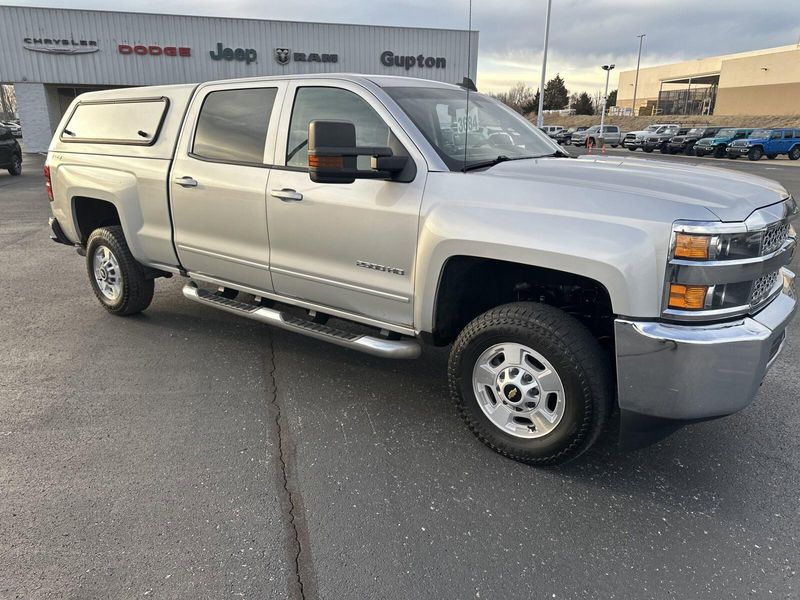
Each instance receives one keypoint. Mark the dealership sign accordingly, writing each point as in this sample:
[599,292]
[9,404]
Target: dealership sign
[60,45]
[390,59]
[245,55]
[283,55]
[155,50]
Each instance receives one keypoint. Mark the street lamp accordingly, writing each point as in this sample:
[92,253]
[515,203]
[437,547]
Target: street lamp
[539,115]
[607,69]
[636,81]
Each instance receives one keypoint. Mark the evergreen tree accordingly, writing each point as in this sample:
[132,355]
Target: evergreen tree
[584,105]
[556,95]
[612,99]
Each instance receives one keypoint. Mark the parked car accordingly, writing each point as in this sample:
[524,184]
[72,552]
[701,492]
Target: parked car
[16,130]
[685,143]
[551,130]
[10,152]
[769,142]
[592,136]
[559,282]
[564,137]
[660,139]
[635,139]
[718,144]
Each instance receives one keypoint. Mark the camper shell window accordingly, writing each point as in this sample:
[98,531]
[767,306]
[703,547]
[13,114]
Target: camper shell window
[134,122]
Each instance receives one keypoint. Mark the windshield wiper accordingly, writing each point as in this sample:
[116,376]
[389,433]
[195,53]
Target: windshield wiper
[484,164]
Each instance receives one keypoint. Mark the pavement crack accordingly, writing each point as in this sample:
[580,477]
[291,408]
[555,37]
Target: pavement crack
[304,581]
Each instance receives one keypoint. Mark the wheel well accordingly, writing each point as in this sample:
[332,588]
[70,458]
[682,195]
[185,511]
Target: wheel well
[91,213]
[469,286]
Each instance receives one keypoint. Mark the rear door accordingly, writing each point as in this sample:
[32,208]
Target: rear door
[219,182]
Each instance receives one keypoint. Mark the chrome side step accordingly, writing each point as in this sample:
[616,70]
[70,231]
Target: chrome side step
[363,343]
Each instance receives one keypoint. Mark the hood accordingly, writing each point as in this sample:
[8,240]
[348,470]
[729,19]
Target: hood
[753,140]
[673,191]
[641,133]
[714,140]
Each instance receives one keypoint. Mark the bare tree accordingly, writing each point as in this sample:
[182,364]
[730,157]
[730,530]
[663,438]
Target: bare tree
[8,102]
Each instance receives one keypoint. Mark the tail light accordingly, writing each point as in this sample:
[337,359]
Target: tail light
[47,183]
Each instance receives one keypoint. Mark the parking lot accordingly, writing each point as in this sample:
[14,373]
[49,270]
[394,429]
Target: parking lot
[185,453]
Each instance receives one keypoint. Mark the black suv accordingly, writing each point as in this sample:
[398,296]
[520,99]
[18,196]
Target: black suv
[661,140]
[564,137]
[685,143]
[10,152]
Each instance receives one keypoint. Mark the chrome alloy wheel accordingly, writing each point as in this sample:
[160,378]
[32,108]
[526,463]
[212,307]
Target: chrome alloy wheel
[519,390]
[107,274]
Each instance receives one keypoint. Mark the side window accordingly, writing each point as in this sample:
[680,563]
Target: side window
[232,126]
[788,134]
[334,104]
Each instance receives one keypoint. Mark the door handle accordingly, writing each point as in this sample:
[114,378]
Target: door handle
[186,181]
[287,195]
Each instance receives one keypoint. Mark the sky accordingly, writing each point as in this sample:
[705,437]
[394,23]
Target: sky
[584,34]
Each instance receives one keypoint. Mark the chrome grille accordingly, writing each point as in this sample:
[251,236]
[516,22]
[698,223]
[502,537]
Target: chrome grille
[739,143]
[774,237]
[762,287]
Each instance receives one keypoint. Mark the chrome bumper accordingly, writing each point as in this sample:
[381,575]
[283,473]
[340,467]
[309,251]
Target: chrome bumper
[688,372]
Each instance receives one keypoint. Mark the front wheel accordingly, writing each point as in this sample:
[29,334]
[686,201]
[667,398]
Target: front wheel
[664,149]
[16,165]
[117,279]
[755,153]
[531,383]
[719,152]
[794,153]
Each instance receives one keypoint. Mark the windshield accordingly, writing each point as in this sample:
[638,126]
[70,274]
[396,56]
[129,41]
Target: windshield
[490,130]
[723,133]
[697,131]
[652,127]
[761,133]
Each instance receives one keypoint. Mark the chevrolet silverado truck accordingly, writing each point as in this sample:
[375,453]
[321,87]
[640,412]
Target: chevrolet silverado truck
[383,213]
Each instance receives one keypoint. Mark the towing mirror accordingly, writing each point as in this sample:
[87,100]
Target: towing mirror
[333,155]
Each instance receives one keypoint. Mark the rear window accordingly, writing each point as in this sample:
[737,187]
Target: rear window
[132,122]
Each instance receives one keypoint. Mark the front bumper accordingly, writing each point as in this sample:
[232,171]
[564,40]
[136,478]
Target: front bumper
[670,374]
[737,150]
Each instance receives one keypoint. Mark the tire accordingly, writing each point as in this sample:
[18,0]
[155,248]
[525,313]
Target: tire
[755,153]
[719,152]
[732,156]
[794,153]
[125,289]
[632,149]
[648,150]
[16,165]
[689,150]
[664,149]
[560,343]
[772,156]
[614,145]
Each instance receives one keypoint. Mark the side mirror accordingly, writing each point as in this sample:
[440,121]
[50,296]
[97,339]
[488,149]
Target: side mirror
[333,155]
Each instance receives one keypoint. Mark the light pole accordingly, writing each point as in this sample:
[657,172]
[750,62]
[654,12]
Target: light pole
[636,80]
[607,69]
[539,115]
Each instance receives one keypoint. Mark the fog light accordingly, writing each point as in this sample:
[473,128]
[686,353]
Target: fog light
[687,297]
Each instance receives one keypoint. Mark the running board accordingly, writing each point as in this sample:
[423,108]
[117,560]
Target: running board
[363,343]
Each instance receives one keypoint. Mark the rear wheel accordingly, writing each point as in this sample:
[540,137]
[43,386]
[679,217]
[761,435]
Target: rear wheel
[755,153]
[689,150]
[531,383]
[794,153]
[16,165]
[664,148]
[648,150]
[719,152]
[117,279]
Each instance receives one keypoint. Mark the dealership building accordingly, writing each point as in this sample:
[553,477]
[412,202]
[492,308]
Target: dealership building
[52,55]
[761,82]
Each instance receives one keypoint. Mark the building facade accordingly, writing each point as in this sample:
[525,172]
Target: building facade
[52,55]
[761,82]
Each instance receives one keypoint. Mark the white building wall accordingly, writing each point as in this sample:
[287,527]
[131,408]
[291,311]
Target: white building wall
[34,116]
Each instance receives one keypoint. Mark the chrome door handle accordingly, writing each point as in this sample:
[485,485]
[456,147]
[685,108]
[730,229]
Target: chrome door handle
[185,181]
[287,195]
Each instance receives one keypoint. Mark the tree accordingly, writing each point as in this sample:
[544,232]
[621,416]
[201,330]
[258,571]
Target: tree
[520,97]
[556,95]
[612,99]
[584,105]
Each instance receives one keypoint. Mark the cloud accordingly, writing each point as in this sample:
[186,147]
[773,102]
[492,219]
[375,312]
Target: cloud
[584,34]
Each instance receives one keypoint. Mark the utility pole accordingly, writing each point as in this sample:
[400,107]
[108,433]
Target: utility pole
[540,115]
[607,69]
[636,81]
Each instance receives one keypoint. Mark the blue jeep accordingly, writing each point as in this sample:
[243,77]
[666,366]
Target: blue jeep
[716,145]
[771,142]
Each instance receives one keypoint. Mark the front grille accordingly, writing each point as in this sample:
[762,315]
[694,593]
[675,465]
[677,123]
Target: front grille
[739,143]
[774,238]
[762,287]
[630,136]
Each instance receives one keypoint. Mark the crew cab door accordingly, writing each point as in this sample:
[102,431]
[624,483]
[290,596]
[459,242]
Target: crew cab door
[219,180]
[350,247]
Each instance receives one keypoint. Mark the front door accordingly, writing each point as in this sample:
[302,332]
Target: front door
[351,246]
[219,181]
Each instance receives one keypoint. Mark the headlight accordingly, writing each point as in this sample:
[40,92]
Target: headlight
[724,246]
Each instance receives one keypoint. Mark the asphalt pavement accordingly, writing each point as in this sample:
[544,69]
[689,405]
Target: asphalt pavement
[186,453]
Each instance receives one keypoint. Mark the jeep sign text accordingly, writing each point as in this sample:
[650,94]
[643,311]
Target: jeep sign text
[390,59]
[246,55]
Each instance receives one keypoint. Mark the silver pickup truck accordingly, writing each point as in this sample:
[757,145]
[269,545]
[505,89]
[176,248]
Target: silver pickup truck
[412,212]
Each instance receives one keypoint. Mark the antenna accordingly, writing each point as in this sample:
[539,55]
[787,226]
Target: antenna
[469,77]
